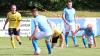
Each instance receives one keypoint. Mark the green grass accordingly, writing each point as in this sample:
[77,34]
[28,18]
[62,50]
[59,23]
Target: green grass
[81,13]
[27,50]
[59,13]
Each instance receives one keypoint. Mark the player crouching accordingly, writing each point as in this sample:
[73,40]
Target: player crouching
[88,32]
[56,35]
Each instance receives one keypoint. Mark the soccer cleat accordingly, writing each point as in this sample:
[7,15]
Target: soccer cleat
[35,53]
[20,43]
[66,45]
[49,53]
[76,45]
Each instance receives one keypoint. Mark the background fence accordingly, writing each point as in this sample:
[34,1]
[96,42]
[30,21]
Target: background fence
[27,25]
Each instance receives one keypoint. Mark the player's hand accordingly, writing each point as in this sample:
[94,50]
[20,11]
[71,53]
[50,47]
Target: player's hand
[17,29]
[4,28]
[30,38]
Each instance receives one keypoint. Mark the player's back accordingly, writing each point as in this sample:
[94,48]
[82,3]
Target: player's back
[42,23]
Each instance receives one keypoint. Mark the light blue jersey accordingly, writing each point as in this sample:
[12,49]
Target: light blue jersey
[42,23]
[87,31]
[69,14]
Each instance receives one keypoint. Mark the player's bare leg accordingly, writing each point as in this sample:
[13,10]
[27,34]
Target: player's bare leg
[61,41]
[54,45]
[12,41]
[90,45]
[18,39]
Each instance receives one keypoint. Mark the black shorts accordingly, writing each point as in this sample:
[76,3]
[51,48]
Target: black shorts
[55,39]
[13,31]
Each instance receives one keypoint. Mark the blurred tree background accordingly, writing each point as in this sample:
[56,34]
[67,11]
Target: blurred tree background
[48,5]
[52,5]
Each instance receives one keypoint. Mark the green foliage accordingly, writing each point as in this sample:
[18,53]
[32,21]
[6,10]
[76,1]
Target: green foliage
[49,4]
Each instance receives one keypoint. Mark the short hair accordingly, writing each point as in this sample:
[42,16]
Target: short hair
[34,8]
[69,1]
[13,5]
[89,25]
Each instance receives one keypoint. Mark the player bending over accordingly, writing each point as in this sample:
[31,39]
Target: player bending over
[40,23]
[88,32]
[57,33]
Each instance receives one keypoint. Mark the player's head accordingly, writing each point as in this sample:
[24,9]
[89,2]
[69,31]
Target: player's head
[89,26]
[13,8]
[69,4]
[34,11]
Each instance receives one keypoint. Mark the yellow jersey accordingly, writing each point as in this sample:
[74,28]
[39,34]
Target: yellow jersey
[14,19]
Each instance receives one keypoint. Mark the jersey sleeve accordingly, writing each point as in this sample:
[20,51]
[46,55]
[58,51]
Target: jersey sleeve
[19,16]
[7,15]
[82,28]
[64,11]
[35,22]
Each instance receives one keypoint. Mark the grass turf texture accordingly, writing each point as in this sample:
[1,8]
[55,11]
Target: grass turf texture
[59,13]
[27,50]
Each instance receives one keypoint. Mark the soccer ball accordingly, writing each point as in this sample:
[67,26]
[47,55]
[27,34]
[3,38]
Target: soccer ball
[37,52]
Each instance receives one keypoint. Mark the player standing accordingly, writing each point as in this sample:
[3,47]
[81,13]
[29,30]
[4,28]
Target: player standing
[70,21]
[13,17]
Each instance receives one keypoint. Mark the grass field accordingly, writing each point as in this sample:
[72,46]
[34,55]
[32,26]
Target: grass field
[59,13]
[27,50]
[81,13]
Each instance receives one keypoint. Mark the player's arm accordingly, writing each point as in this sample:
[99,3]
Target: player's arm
[75,17]
[63,17]
[5,23]
[79,29]
[62,40]
[35,30]
[49,24]
[33,34]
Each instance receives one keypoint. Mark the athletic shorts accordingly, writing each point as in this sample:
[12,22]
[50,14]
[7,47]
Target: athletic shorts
[70,27]
[55,39]
[41,35]
[90,40]
[13,31]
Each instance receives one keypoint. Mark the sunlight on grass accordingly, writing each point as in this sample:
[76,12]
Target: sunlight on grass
[27,50]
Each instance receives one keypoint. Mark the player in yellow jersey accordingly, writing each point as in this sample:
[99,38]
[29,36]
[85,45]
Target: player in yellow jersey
[57,34]
[13,17]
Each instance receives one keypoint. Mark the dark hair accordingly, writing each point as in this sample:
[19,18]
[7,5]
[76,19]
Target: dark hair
[34,8]
[68,1]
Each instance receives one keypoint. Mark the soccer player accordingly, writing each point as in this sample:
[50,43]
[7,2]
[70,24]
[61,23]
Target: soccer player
[13,17]
[42,24]
[68,17]
[88,32]
[57,33]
